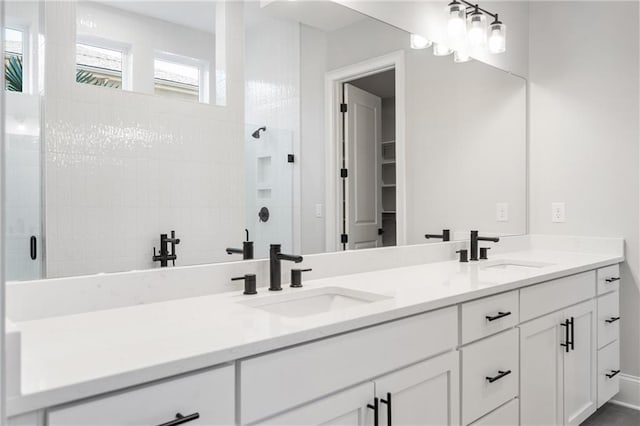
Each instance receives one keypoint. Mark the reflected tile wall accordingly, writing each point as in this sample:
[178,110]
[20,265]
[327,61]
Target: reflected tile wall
[122,168]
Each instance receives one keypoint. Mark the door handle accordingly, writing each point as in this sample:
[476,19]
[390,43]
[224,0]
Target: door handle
[180,419]
[374,407]
[388,403]
[33,247]
[612,374]
[500,375]
[573,341]
[495,317]
[612,320]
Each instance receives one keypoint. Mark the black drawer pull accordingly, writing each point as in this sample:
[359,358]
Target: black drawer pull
[180,419]
[374,407]
[500,375]
[388,402]
[612,319]
[33,247]
[495,317]
[613,374]
[612,279]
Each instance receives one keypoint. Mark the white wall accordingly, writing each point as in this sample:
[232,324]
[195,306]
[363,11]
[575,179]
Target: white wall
[123,167]
[585,134]
[465,134]
[428,19]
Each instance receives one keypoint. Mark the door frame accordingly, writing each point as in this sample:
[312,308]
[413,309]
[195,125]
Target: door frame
[333,131]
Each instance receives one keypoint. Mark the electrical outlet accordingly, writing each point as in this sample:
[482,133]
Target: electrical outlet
[319,209]
[558,213]
[502,212]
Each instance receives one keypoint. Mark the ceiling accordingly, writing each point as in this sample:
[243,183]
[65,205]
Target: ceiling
[382,84]
[199,15]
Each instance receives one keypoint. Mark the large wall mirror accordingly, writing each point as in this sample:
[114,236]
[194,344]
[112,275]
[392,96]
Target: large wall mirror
[306,124]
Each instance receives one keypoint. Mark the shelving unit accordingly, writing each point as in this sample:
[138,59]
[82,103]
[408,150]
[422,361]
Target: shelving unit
[388,192]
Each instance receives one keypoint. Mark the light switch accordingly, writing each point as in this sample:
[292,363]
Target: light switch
[502,212]
[558,213]
[319,209]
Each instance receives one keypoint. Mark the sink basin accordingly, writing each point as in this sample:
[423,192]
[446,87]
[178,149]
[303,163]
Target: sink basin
[513,265]
[312,302]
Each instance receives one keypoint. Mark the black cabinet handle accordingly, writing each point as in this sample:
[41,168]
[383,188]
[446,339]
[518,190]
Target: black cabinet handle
[180,419]
[500,375]
[612,320]
[495,317]
[33,249]
[566,343]
[374,407]
[612,279]
[388,402]
[613,374]
[573,341]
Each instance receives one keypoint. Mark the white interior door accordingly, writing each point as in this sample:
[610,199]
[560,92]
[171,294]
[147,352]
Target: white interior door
[363,197]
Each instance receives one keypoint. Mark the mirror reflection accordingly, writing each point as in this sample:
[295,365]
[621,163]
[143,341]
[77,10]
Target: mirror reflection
[310,125]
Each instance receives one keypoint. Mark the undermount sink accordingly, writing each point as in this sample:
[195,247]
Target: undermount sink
[514,265]
[312,302]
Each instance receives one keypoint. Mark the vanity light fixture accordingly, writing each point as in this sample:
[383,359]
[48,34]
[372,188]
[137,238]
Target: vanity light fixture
[419,42]
[467,28]
[440,49]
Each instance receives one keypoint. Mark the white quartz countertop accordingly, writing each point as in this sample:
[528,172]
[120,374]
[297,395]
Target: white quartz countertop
[71,357]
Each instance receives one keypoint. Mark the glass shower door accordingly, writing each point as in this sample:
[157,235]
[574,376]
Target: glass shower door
[269,188]
[22,149]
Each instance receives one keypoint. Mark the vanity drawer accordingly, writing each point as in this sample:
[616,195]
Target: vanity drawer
[608,318]
[272,383]
[608,364]
[488,316]
[608,279]
[485,386]
[507,415]
[210,394]
[540,299]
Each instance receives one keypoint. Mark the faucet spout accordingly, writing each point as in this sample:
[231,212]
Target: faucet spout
[474,244]
[275,267]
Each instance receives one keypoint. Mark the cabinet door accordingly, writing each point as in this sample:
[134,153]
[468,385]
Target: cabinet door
[423,394]
[541,371]
[346,408]
[580,365]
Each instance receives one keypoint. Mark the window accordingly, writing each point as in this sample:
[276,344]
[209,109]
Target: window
[13,59]
[99,66]
[181,78]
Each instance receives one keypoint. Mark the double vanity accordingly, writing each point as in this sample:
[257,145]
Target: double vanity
[529,336]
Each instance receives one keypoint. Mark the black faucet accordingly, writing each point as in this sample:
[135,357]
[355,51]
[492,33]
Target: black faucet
[247,248]
[445,236]
[164,257]
[275,269]
[474,244]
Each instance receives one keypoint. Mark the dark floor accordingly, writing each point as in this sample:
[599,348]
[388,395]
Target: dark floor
[613,415]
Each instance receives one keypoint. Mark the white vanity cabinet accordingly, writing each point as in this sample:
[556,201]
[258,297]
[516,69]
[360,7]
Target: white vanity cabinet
[422,394]
[204,398]
[558,367]
[608,333]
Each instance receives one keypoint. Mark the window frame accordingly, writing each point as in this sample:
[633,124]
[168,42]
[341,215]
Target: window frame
[101,43]
[202,65]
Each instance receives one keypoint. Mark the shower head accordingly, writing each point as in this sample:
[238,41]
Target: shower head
[256,134]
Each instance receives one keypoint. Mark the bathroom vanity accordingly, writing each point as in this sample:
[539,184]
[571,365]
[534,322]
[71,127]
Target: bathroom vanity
[528,337]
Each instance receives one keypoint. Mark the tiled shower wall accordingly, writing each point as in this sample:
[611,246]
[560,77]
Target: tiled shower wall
[122,168]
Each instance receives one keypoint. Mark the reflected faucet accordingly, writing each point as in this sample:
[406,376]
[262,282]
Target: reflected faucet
[247,248]
[275,268]
[445,236]
[164,257]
